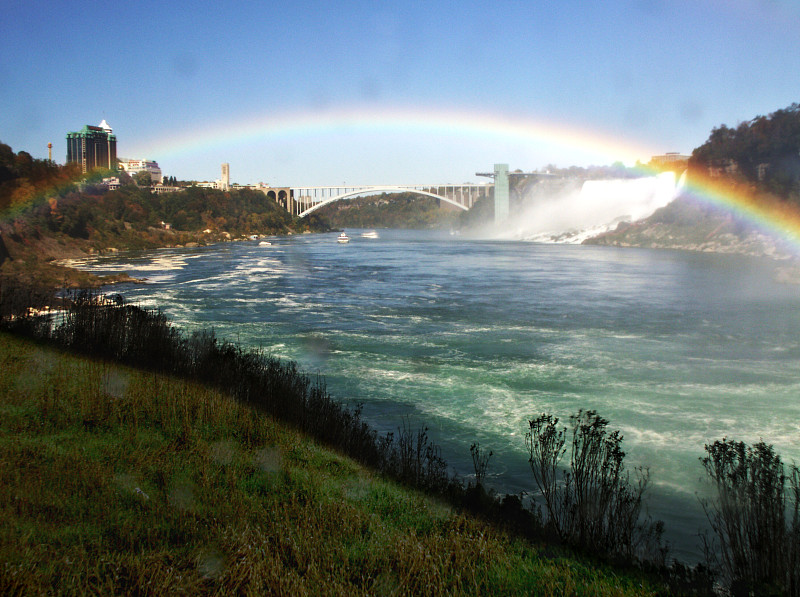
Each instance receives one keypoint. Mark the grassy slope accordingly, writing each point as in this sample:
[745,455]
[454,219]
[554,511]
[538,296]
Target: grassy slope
[117,481]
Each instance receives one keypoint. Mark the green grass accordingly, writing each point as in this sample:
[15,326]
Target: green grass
[118,481]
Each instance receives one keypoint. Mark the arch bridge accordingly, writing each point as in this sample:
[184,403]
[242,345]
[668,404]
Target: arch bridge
[301,201]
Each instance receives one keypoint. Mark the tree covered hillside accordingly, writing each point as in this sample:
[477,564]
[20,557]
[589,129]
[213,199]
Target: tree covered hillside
[50,212]
[758,162]
[391,210]
[22,177]
[764,151]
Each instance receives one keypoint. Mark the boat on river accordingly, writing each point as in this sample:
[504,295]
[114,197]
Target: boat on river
[343,238]
[369,234]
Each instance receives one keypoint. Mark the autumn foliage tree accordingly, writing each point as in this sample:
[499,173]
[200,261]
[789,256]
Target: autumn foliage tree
[24,178]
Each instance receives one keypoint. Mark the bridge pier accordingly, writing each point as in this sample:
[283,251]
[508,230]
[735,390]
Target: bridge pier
[501,201]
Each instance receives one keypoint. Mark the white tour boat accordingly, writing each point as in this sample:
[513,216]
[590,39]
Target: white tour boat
[343,238]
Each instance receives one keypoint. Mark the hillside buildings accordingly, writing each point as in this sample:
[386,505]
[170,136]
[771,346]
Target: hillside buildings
[93,147]
[670,158]
[96,147]
[132,167]
[224,182]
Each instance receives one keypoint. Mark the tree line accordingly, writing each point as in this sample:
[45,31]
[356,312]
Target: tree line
[764,152]
[390,210]
[130,215]
[23,177]
[40,198]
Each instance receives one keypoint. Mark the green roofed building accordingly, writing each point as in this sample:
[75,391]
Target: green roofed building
[93,147]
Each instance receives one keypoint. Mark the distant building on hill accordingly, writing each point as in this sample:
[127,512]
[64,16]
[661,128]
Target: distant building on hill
[112,183]
[163,188]
[225,180]
[132,167]
[669,159]
[93,147]
[223,184]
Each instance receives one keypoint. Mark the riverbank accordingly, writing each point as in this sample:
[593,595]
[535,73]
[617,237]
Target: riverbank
[31,258]
[38,234]
[137,482]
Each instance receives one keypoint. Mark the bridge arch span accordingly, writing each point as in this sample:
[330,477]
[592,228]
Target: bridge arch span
[375,190]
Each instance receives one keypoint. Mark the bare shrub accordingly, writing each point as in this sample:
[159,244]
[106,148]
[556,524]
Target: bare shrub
[480,462]
[758,544]
[420,463]
[593,504]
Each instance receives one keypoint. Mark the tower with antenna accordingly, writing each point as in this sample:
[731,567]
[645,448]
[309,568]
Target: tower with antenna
[49,152]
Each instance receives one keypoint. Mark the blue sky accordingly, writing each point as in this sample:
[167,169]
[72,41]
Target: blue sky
[195,84]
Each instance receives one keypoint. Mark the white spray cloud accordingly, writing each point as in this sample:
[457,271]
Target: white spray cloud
[573,216]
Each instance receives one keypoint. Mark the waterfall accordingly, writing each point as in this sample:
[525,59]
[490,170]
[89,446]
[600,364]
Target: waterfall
[599,206]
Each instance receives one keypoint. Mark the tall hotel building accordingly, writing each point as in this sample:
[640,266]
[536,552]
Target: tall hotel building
[93,147]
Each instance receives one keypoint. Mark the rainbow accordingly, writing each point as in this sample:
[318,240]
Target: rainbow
[771,216]
[426,122]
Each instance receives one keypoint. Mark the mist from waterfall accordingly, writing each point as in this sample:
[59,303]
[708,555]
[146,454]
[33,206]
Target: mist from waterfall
[572,216]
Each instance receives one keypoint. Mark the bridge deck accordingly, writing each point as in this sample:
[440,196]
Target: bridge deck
[305,200]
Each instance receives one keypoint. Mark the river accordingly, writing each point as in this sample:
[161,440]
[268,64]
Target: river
[475,337]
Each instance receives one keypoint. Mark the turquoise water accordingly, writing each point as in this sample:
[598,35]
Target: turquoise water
[473,338]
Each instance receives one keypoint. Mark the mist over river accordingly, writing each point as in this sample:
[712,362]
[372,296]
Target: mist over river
[474,337]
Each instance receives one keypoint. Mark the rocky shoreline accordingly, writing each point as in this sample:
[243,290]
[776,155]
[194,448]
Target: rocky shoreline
[31,258]
[659,236]
[684,225]
[690,226]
